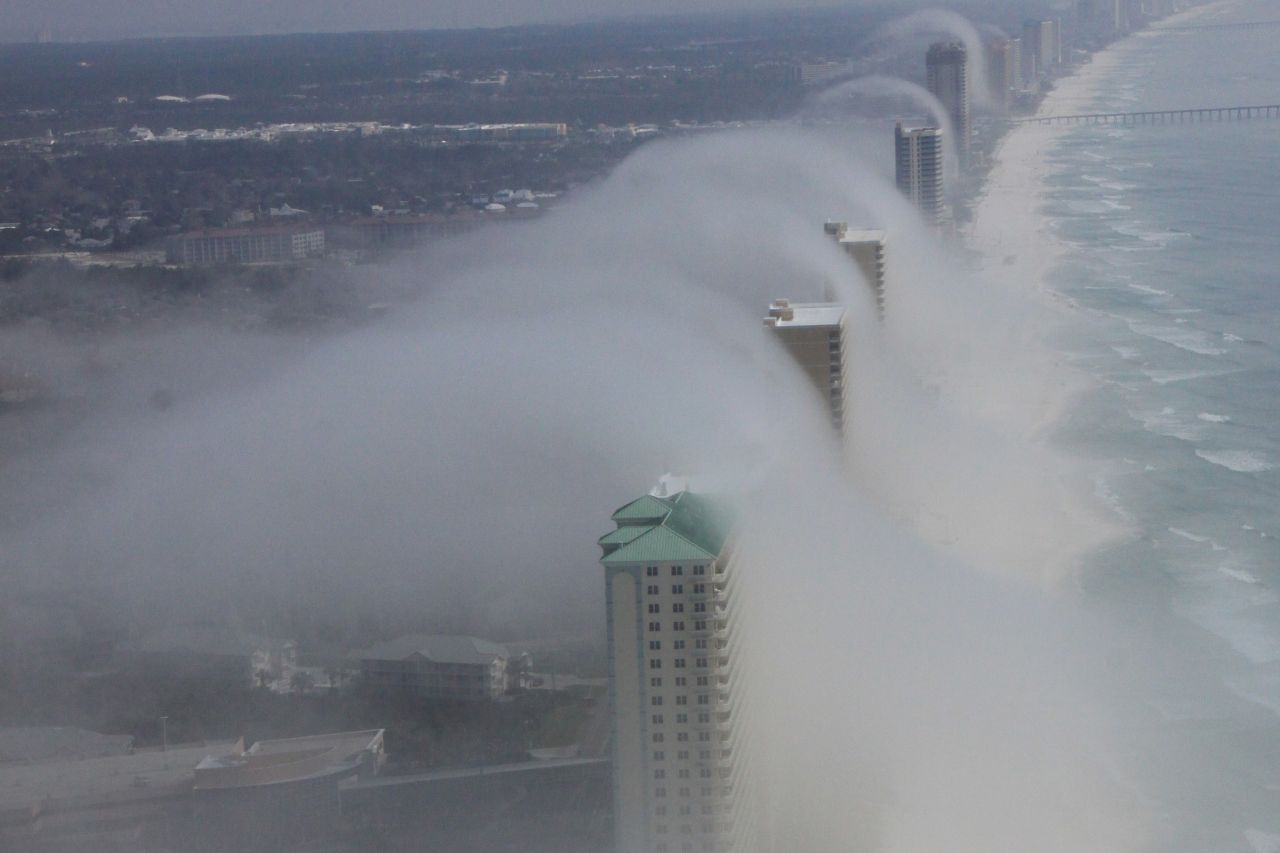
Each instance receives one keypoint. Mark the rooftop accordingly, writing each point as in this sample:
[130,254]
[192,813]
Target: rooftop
[438,648]
[862,235]
[785,314]
[683,526]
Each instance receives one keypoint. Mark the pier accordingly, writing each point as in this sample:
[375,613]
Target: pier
[1185,116]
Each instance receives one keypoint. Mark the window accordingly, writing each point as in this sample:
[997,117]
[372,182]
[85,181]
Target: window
[699,587]
[683,755]
[656,700]
[684,773]
[652,589]
[659,792]
[676,571]
[656,663]
[701,662]
[705,773]
[703,699]
[677,588]
[700,625]
[655,645]
[656,681]
[702,680]
[700,607]
[655,626]
[679,644]
[704,736]
[675,608]
[699,570]
[657,719]
[658,737]
[659,755]
[704,754]
[682,700]
[704,717]
[662,810]
[683,736]
[651,571]
[677,626]
[682,718]
[659,773]
[685,810]
[654,608]
[681,681]
[680,663]
[700,643]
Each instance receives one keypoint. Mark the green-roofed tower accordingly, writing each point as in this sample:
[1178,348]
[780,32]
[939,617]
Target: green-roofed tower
[669,589]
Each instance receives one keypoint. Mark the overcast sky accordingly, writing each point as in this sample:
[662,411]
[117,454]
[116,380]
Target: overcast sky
[22,19]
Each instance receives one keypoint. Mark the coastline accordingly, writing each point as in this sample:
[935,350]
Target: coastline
[1018,251]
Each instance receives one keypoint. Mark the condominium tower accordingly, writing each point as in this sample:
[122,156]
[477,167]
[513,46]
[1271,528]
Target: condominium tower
[813,333]
[918,168]
[866,247]
[947,74]
[677,751]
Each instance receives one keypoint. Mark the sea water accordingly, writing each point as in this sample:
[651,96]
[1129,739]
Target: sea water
[1172,258]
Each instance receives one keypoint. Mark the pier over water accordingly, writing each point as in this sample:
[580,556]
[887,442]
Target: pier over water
[1185,116]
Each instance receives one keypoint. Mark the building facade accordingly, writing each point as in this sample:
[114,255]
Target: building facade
[813,333]
[947,75]
[866,247]
[918,169]
[678,742]
[1000,72]
[437,667]
[245,246]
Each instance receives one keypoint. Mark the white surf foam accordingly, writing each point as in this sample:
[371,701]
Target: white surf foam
[1243,461]
[1191,340]
[1214,419]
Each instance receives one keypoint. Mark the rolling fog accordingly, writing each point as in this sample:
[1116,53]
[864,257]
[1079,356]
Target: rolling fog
[923,675]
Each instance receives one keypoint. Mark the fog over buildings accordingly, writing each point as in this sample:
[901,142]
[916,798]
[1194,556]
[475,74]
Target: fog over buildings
[920,670]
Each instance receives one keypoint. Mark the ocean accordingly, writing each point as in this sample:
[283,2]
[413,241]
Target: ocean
[1166,246]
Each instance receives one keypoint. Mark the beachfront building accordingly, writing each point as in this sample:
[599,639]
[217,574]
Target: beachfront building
[678,739]
[1000,72]
[947,75]
[813,334]
[865,246]
[918,168]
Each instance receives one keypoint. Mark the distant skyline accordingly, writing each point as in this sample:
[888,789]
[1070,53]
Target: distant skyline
[65,20]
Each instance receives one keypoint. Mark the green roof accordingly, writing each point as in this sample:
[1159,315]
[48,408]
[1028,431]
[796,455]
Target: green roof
[647,509]
[685,527]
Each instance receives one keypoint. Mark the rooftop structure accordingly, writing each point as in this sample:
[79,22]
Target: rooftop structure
[245,245]
[813,333]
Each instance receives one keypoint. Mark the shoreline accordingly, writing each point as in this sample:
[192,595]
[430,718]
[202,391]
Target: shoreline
[1018,252]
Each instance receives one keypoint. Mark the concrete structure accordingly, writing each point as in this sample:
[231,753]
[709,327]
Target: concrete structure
[947,75]
[866,246]
[814,335]
[245,245]
[675,680]
[918,169]
[1041,48]
[437,667]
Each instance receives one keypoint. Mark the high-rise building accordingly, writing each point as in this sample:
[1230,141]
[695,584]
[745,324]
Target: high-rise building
[866,247]
[1000,71]
[1017,82]
[678,740]
[813,333]
[1041,47]
[947,74]
[918,168]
